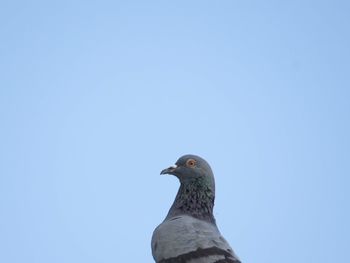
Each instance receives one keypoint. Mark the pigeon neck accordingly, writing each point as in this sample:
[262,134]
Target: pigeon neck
[196,199]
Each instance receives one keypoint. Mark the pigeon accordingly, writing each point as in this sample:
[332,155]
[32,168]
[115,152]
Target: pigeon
[189,233]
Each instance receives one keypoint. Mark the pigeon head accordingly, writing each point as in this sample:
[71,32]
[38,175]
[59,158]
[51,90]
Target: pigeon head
[190,168]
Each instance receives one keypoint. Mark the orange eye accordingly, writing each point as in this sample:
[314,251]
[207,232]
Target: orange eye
[191,163]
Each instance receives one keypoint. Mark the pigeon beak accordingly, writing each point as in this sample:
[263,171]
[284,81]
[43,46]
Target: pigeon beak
[169,170]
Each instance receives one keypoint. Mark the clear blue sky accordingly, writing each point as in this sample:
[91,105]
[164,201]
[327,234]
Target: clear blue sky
[96,97]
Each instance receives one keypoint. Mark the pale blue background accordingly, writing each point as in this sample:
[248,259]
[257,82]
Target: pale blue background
[98,96]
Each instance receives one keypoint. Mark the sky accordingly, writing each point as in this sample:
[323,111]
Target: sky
[97,97]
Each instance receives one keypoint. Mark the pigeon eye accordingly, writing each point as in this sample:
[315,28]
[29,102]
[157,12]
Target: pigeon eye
[191,162]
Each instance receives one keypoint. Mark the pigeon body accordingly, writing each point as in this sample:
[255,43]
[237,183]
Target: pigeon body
[189,233]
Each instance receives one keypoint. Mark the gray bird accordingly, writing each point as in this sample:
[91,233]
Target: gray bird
[189,233]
